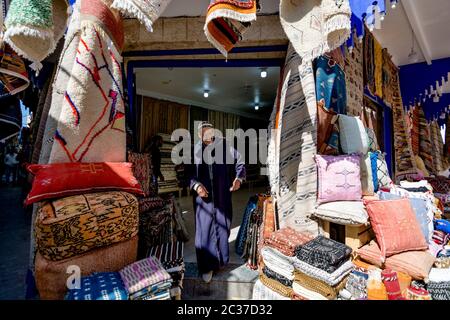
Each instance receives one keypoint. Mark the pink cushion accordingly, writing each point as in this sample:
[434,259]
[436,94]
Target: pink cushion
[396,227]
[339,178]
[417,264]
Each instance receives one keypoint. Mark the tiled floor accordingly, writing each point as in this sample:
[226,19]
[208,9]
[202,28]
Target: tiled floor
[14,244]
[240,199]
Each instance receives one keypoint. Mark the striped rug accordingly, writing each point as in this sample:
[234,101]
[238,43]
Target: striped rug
[292,146]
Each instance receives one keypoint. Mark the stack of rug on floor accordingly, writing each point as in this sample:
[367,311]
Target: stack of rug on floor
[171,256]
[441,190]
[300,266]
[142,280]
[249,238]
[170,183]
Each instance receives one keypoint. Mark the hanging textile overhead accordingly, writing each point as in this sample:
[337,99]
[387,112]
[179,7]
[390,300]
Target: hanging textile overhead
[424,83]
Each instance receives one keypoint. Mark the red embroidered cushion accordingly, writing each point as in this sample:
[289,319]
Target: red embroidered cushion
[396,227]
[65,179]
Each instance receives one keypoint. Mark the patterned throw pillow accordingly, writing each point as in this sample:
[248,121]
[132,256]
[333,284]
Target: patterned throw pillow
[384,179]
[373,142]
[367,176]
[416,264]
[396,227]
[353,135]
[420,209]
[73,225]
[343,212]
[339,178]
[99,286]
[141,169]
[58,180]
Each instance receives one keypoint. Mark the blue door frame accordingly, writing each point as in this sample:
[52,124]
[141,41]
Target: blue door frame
[189,63]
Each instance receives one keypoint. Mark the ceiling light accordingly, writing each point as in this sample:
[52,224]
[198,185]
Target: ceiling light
[257,107]
[263,73]
[206,93]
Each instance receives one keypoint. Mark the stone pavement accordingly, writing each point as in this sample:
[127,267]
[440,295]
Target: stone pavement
[14,243]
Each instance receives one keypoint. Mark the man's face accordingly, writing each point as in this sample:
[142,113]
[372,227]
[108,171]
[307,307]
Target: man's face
[207,135]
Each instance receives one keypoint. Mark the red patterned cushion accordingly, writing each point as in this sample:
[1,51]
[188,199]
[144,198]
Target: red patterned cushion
[65,179]
[396,227]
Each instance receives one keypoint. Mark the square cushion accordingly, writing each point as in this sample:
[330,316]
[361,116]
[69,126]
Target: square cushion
[384,179]
[396,227]
[343,212]
[420,209]
[339,178]
[416,264]
[367,185]
[70,226]
[353,135]
[57,180]
[372,138]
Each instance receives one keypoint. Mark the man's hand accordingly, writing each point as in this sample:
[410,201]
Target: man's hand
[236,185]
[202,192]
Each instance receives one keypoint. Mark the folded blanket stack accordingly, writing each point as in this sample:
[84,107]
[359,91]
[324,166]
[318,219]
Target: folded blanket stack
[286,240]
[322,266]
[99,286]
[155,225]
[170,254]
[146,280]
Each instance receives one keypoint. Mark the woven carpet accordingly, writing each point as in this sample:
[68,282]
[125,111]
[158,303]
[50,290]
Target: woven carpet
[354,78]
[91,124]
[425,141]
[404,157]
[292,146]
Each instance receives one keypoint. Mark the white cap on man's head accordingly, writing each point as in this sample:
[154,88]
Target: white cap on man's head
[204,124]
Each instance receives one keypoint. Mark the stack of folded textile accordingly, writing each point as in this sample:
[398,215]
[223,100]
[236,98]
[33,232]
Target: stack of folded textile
[322,266]
[286,240]
[146,280]
[155,225]
[171,256]
[439,283]
[170,182]
[99,286]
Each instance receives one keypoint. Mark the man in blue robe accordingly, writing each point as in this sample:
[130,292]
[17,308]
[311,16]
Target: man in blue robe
[218,170]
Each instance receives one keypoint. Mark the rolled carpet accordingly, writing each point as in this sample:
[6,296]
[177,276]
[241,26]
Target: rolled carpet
[51,276]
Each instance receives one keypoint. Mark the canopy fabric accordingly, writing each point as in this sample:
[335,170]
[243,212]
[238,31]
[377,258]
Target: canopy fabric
[420,81]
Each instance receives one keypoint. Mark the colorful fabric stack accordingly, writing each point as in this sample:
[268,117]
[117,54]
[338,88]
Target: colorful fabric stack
[171,256]
[287,240]
[253,224]
[146,280]
[323,253]
[227,21]
[99,286]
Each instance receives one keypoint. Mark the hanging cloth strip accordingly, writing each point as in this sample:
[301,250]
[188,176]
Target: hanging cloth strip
[425,146]
[378,73]
[369,62]
[404,158]
[227,21]
[34,27]
[354,78]
[293,144]
[146,11]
